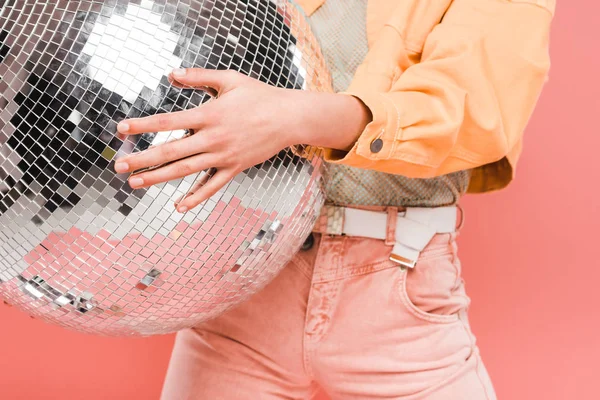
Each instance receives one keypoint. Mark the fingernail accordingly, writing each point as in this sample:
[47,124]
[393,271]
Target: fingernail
[121,167]
[182,209]
[123,127]
[136,181]
[179,72]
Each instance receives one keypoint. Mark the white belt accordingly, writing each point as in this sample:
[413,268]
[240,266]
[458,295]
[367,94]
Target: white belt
[415,227]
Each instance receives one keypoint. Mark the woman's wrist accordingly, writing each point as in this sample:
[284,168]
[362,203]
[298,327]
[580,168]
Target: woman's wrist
[328,120]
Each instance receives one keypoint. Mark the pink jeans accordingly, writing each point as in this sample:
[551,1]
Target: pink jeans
[343,318]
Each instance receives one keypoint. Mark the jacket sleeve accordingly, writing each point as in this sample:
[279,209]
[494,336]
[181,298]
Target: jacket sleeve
[467,100]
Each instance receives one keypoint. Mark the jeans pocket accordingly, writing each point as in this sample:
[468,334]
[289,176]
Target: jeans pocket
[433,290]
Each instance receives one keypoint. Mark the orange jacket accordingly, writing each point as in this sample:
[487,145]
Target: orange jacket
[451,85]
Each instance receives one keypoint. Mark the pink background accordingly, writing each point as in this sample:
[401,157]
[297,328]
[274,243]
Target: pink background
[529,256]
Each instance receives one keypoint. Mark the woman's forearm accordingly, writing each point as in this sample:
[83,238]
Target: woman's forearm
[328,120]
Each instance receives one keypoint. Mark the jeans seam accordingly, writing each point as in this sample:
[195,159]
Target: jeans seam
[354,273]
[296,264]
[356,269]
[309,353]
[306,349]
[474,352]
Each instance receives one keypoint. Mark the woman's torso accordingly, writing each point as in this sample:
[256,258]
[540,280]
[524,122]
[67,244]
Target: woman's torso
[340,26]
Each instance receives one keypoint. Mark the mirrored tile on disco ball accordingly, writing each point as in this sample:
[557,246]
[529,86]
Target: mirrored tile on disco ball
[78,246]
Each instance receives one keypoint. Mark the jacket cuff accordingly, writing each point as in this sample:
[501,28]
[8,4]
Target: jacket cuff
[377,140]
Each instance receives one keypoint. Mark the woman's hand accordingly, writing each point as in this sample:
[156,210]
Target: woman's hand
[247,124]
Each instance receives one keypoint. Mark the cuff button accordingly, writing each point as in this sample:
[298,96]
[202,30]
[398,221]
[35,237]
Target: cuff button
[376,145]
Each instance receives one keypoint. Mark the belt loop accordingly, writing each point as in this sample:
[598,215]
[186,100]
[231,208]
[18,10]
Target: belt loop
[392,218]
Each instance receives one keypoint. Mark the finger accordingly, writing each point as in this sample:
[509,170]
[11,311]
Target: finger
[212,186]
[176,83]
[161,122]
[212,92]
[221,80]
[161,154]
[197,185]
[173,171]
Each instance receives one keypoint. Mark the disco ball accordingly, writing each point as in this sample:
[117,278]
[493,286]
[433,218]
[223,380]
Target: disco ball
[78,246]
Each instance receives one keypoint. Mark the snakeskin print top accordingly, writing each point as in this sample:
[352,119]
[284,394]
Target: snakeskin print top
[340,26]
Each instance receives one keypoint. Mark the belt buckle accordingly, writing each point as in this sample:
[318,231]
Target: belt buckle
[403,261]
